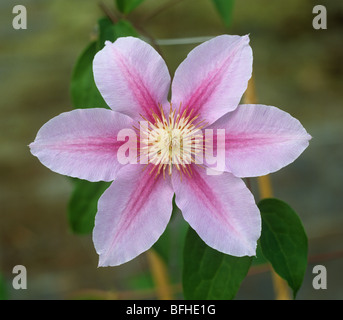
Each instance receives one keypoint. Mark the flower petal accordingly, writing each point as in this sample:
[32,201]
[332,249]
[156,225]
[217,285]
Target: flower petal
[132,77]
[221,209]
[82,143]
[260,139]
[213,77]
[132,214]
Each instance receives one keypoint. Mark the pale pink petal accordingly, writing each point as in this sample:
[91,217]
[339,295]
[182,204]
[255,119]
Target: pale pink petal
[82,143]
[260,139]
[132,77]
[132,214]
[221,209]
[213,77]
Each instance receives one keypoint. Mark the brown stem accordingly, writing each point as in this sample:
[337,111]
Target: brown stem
[160,276]
[149,36]
[108,12]
[159,10]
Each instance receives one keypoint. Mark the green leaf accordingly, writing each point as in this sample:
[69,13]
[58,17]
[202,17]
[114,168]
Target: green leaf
[170,245]
[210,274]
[126,6]
[106,32]
[173,237]
[3,288]
[284,241]
[225,9]
[124,28]
[83,205]
[111,32]
[140,281]
[84,93]
[259,258]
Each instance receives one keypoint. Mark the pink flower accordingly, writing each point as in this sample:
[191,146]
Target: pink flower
[207,87]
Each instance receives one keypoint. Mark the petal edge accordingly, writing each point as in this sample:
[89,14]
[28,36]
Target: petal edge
[221,210]
[81,143]
[132,214]
[261,139]
[213,77]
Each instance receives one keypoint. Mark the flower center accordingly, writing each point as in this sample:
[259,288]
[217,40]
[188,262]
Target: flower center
[172,141]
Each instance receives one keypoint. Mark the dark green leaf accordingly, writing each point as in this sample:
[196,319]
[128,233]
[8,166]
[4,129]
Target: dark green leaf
[259,258]
[83,205]
[126,6]
[209,274]
[225,9]
[284,241]
[111,32]
[124,28]
[163,244]
[3,289]
[140,281]
[84,93]
[106,32]
[170,245]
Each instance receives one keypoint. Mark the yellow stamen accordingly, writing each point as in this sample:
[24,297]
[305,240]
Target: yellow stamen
[172,140]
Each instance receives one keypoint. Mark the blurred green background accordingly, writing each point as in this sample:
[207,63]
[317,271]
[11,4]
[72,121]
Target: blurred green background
[296,68]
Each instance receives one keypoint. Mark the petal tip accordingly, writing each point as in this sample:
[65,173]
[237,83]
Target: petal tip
[103,262]
[246,37]
[249,249]
[32,146]
[252,251]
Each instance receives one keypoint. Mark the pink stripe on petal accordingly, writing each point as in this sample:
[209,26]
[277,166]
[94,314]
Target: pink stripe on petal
[213,77]
[82,143]
[220,209]
[260,139]
[132,214]
[132,77]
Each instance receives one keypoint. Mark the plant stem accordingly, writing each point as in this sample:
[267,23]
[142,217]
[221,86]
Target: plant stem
[160,276]
[145,33]
[159,10]
[108,12]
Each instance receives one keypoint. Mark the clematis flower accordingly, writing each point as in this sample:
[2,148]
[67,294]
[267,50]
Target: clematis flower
[205,94]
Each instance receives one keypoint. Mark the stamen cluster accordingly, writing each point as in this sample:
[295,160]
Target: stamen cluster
[173,140]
